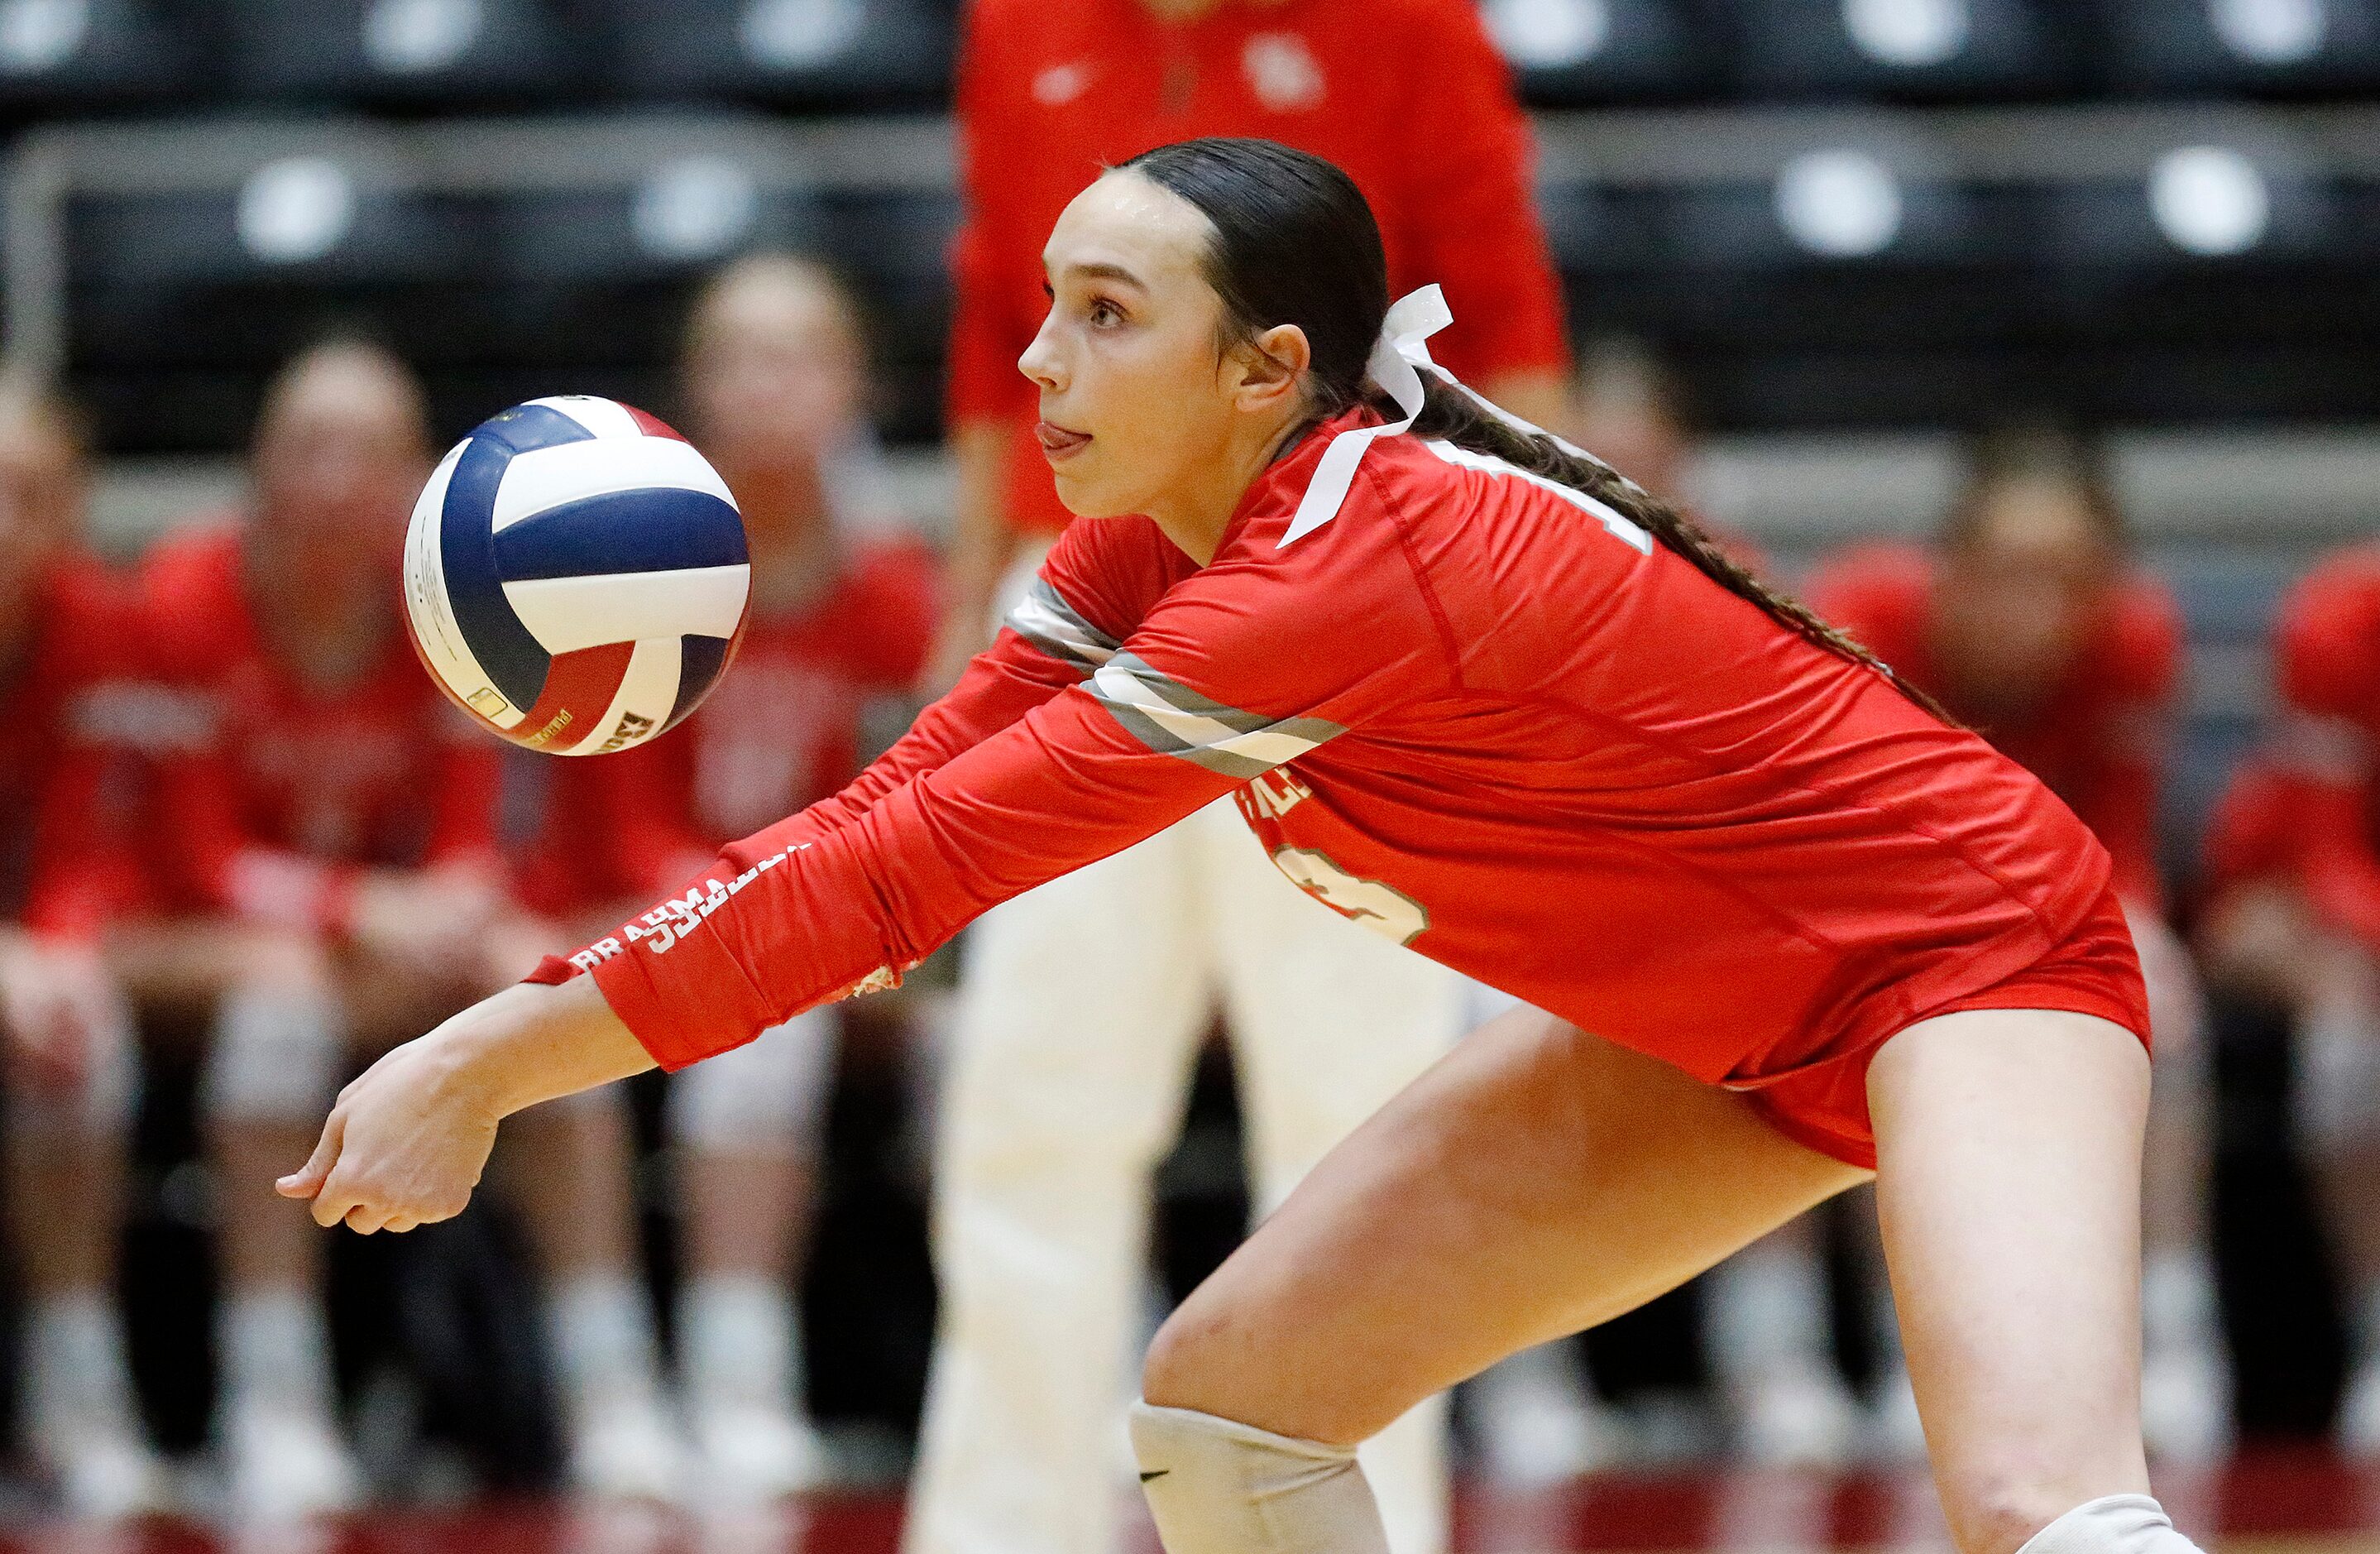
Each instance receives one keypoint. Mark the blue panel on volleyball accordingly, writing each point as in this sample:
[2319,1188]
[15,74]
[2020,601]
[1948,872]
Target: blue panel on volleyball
[704,657]
[622,531]
[474,589]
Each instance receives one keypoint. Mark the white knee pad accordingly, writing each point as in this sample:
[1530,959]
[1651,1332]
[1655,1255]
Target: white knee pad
[2116,1525]
[769,1093]
[277,1056]
[2337,1088]
[1216,1486]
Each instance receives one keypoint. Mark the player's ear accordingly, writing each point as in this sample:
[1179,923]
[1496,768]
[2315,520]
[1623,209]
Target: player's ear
[1271,366]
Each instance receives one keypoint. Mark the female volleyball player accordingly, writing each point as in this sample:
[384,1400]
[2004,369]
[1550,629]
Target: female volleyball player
[1480,693]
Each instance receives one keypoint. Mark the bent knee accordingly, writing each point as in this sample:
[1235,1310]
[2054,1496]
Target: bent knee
[1178,1371]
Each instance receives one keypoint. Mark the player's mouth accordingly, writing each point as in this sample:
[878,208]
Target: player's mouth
[1057,443]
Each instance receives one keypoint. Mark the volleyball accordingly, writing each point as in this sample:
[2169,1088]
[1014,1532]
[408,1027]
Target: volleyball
[575,576]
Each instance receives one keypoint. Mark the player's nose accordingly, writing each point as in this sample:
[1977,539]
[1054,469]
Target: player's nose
[1041,361]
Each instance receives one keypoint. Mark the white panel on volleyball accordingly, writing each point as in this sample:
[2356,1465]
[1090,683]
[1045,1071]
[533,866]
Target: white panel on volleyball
[642,704]
[544,478]
[605,418]
[435,627]
[567,613]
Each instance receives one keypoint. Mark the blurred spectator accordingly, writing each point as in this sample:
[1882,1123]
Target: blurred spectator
[68,865]
[2033,622]
[2293,922]
[331,828]
[776,385]
[1083,1002]
[1626,408]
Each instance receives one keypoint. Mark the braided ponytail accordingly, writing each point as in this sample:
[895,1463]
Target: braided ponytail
[1449,414]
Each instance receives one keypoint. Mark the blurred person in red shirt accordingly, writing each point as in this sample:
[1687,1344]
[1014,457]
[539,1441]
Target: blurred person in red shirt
[843,613]
[1090,996]
[335,886]
[70,850]
[2292,926]
[2031,621]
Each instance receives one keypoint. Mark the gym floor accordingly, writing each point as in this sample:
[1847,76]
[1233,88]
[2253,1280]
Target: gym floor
[2272,1502]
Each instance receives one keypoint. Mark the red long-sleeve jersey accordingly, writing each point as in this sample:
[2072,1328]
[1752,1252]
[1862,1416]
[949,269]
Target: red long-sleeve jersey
[72,795]
[2310,809]
[2097,737]
[780,730]
[1408,96]
[1474,711]
[290,787]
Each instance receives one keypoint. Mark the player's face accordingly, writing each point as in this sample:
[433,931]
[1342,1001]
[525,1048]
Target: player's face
[2019,594]
[773,375]
[338,461]
[1135,400]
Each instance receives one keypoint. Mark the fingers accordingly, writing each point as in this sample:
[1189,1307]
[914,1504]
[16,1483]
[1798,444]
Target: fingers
[307,1180]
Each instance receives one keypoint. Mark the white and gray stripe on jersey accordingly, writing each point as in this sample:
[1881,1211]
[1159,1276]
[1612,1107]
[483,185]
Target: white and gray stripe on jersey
[1159,711]
[1174,719]
[1044,618]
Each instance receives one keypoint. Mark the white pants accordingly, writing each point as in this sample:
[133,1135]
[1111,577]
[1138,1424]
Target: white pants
[1079,1016]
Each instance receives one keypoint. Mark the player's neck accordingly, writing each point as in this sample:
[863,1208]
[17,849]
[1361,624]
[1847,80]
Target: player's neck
[1197,511]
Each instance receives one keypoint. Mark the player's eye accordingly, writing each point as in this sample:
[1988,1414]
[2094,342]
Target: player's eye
[1104,314]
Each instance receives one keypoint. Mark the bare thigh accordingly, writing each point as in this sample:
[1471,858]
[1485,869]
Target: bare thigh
[2008,1147]
[1536,1182]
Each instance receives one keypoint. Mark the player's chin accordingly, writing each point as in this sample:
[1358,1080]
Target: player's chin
[1082,494]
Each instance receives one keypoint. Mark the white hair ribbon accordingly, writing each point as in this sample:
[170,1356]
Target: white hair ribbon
[1399,358]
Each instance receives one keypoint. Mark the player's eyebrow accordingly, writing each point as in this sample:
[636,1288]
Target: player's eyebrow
[1105,273]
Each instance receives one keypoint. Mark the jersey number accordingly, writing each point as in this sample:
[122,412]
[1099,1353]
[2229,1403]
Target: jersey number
[1380,907]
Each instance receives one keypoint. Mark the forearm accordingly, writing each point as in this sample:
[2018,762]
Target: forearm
[534,1042]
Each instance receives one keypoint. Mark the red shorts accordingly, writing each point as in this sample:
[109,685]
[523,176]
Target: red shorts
[2092,971]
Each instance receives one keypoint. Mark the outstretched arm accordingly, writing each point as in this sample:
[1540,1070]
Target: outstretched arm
[1239,669]
[407,1140]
